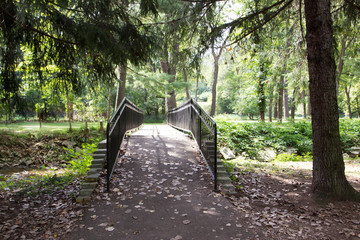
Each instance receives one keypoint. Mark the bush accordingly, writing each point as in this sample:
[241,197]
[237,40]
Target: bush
[249,138]
[80,159]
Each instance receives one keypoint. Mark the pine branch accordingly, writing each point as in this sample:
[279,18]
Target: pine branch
[353,4]
[36,30]
[241,20]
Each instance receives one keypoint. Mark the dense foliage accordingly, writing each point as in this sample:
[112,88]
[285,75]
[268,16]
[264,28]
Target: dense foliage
[249,138]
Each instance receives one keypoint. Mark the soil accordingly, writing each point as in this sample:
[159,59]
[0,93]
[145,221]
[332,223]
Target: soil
[45,212]
[283,206]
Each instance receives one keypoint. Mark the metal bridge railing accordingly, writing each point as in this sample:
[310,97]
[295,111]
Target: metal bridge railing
[128,116]
[191,117]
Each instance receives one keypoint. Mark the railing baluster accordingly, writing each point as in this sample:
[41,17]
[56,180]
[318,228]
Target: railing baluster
[128,116]
[179,118]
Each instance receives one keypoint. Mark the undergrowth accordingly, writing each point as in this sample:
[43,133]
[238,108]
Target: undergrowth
[46,179]
[249,138]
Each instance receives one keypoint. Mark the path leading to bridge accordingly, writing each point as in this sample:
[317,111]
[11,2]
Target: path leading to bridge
[161,190]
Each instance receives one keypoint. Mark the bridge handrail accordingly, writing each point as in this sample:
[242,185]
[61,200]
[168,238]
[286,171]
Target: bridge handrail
[193,121]
[126,117]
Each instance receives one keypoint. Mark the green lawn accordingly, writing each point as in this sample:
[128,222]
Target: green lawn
[48,126]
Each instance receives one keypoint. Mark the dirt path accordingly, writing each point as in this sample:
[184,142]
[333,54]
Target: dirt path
[161,190]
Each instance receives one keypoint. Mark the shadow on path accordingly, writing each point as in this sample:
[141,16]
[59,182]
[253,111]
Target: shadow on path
[161,190]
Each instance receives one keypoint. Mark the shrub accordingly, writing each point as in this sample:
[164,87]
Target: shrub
[80,159]
[249,138]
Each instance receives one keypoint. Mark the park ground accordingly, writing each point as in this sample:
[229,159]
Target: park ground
[274,200]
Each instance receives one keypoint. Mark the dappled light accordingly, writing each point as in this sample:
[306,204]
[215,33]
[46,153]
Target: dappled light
[179,119]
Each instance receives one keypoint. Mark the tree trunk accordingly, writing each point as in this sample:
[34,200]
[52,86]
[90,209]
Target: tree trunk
[341,63]
[120,93]
[170,68]
[215,79]
[304,104]
[348,100]
[108,114]
[286,100]
[293,106]
[196,88]
[281,97]
[270,109]
[213,89]
[292,111]
[262,102]
[186,87]
[261,93]
[163,108]
[275,109]
[358,107]
[328,164]
[172,71]
[69,107]
[309,106]
[171,101]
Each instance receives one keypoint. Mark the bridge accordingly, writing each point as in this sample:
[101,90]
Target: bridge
[166,184]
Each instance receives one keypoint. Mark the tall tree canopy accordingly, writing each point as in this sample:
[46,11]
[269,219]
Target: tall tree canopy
[72,34]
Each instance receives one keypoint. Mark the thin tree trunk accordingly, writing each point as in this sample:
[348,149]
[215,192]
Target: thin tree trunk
[109,106]
[69,107]
[172,99]
[348,100]
[275,109]
[292,111]
[270,109]
[293,106]
[120,93]
[197,86]
[215,79]
[281,97]
[328,164]
[213,89]
[262,102]
[163,109]
[341,63]
[286,100]
[216,73]
[304,104]
[40,121]
[309,107]
[358,107]
[186,87]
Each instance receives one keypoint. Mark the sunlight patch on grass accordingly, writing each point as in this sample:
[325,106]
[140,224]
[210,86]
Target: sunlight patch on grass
[352,167]
[48,127]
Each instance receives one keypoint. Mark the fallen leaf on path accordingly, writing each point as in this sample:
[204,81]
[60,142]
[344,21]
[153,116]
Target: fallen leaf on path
[110,229]
[186,222]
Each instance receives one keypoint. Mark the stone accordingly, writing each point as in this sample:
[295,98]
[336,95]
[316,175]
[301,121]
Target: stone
[266,155]
[227,153]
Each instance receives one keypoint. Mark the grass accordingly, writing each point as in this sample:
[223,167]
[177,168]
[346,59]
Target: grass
[46,126]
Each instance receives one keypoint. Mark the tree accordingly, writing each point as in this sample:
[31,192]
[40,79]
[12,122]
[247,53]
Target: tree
[95,35]
[216,57]
[328,165]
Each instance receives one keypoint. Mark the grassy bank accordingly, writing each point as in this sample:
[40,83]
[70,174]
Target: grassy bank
[248,139]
